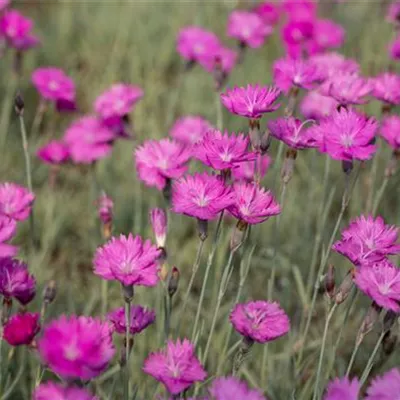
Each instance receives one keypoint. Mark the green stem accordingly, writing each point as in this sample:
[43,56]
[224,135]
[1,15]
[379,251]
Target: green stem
[219,111]
[104,296]
[353,356]
[7,393]
[127,337]
[379,195]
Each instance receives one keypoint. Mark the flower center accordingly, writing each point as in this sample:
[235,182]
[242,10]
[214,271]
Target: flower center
[199,49]
[347,141]
[202,201]
[119,105]
[384,289]
[53,85]
[11,31]
[71,353]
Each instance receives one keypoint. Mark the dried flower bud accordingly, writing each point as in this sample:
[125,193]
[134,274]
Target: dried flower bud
[173,281]
[288,166]
[122,358]
[202,226]
[158,220]
[266,140]
[238,235]
[330,281]
[128,292]
[254,134]
[19,104]
[163,272]
[50,292]
[389,342]
[392,164]
[368,322]
[344,288]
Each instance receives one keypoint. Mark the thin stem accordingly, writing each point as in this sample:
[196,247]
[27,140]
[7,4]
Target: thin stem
[127,337]
[379,195]
[7,393]
[104,296]
[167,313]
[353,356]
[218,107]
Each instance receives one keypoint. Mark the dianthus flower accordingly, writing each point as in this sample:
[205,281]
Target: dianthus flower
[15,201]
[105,207]
[260,321]
[140,319]
[158,161]
[300,10]
[327,35]
[4,4]
[21,329]
[190,129]
[385,387]
[158,220]
[176,367]
[15,281]
[386,88]
[129,260]
[295,34]
[390,131]
[55,391]
[201,195]
[269,12]
[76,347]
[330,64]
[246,170]
[393,14]
[394,48]
[229,388]
[219,59]
[251,101]
[343,389]
[8,228]
[315,105]
[54,152]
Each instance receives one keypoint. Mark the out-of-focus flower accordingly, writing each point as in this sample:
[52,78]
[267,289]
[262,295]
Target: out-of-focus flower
[300,10]
[141,318]
[390,131]
[8,228]
[385,387]
[55,391]
[393,14]
[229,388]
[54,152]
[394,48]
[386,87]
[251,101]
[105,207]
[260,321]
[15,281]
[4,4]
[381,282]
[158,220]
[326,35]
[15,201]
[21,329]
[343,389]
[246,170]
[176,367]
[269,12]
[330,64]
[157,161]
[201,195]
[219,59]
[190,129]
[76,347]
[295,34]
[316,106]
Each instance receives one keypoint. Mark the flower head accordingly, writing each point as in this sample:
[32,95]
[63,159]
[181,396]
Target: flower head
[76,347]
[381,282]
[141,318]
[330,64]
[201,195]
[269,12]
[177,366]
[327,35]
[190,129]
[15,281]
[394,48]
[393,14]
[15,201]
[260,321]
[385,387]
[8,228]
[246,170]
[387,88]
[315,105]
[55,391]
[390,131]
[343,389]
[54,152]
[251,101]
[158,219]
[157,161]
[300,10]
[229,388]
[21,329]
[219,58]
[129,260]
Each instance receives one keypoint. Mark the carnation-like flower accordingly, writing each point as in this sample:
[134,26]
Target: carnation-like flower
[386,88]
[394,48]
[393,14]
[55,391]
[367,240]
[8,228]
[141,318]
[246,170]
[315,105]
[385,387]
[190,129]
[248,28]
[252,203]
[348,135]
[105,207]
[390,131]
[15,201]
[158,161]
[201,195]
[4,4]
[229,388]
[269,12]
[21,329]
[342,389]
[300,10]
[76,347]
[219,58]
[54,152]
[158,220]
[327,35]
[129,260]
[330,64]
[177,366]
[251,101]
[260,321]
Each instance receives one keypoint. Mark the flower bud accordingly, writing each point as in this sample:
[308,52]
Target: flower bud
[105,207]
[122,357]
[19,104]
[128,292]
[173,281]
[368,322]
[344,288]
[266,140]
[158,220]
[163,273]
[392,164]
[330,281]
[202,226]
[347,166]
[238,235]
[49,292]
[288,165]
[254,134]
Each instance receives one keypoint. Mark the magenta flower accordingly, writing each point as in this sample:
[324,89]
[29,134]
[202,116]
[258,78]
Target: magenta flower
[158,220]
[246,170]
[54,152]
[300,10]
[4,4]
[105,207]
[260,321]
[129,260]
[317,106]
[158,161]
[141,318]
[190,130]
[381,282]
[269,12]
[15,201]
[289,73]
[21,329]
[251,101]
[296,33]
[394,48]
[15,281]
[343,389]
[219,58]
[292,132]
[248,28]
[385,387]
[8,228]
[327,35]
[253,204]
[176,367]
[201,195]
[229,388]
[390,131]
[393,14]
[386,88]
[55,391]
[347,135]
[330,64]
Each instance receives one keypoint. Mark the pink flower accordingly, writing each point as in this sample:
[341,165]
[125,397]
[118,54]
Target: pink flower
[54,391]
[8,228]
[386,87]
[327,35]
[157,161]
[219,58]
[129,260]
[296,33]
[343,389]
[367,240]
[381,282]
[317,106]
[394,48]
[390,131]
[269,12]
[300,10]
[385,387]
[176,367]
[21,329]
[229,388]
[260,320]
[76,347]
[105,207]
[393,14]
[220,151]
[246,170]
[4,4]
[251,101]
[141,318]
[201,195]
[248,28]
[347,135]
[292,132]
[54,152]
[15,281]
[15,201]
[158,219]
[190,130]
[330,64]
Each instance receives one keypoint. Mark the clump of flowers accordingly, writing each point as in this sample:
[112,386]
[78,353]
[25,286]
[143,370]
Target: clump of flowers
[190,129]
[343,389]
[8,228]
[140,319]
[226,388]
[21,329]
[52,391]
[54,152]
[15,201]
